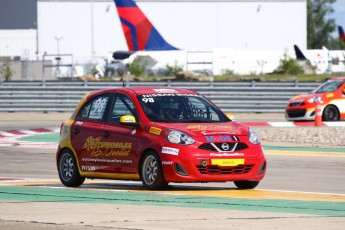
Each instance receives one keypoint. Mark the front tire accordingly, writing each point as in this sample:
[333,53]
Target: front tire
[244,184]
[330,113]
[151,172]
[68,169]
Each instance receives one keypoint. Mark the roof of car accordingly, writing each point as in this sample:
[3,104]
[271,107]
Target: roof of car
[148,90]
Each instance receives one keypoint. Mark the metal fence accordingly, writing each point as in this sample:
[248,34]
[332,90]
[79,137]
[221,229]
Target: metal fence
[236,97]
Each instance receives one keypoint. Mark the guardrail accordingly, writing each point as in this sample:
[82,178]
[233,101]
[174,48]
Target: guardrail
[244,96]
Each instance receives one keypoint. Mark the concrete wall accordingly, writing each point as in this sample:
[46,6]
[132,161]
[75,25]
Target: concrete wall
[29,70]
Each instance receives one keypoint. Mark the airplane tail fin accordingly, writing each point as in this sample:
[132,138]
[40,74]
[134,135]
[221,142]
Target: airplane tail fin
[139,32]
[341,33]
[299,55]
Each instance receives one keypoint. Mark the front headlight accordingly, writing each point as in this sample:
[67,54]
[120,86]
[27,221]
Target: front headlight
[178,137]
[253,138]
[311,100]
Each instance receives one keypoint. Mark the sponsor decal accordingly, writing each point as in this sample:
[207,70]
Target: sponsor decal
[167,162]
[227,162]
[209,127]
[80,123]
[171,94]
[96,147]
[165,90]
[155,130]
[219,138]
[328,95]
[171,151]
[88,168]
[103,160]
[226,154]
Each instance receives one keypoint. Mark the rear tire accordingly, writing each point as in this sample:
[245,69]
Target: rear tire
[244,184]
[151,172]
[68,169]
[330,113]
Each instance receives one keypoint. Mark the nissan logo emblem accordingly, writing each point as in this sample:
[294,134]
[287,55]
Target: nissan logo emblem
[225,146]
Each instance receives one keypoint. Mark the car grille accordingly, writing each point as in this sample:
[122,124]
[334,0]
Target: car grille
[296,113]
[217,170]
[297,103]
[233,146]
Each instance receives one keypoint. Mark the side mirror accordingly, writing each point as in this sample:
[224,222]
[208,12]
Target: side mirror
[128,120]
[230,116]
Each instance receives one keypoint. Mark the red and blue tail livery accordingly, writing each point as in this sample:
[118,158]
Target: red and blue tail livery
[139,32]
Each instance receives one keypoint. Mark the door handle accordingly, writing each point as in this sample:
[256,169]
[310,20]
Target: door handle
[76,131]
[106,134]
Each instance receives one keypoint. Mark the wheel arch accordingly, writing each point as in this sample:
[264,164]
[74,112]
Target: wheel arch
[73,152]
[142,157]
[330,105]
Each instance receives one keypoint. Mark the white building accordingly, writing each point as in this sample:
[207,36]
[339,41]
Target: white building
[91,28]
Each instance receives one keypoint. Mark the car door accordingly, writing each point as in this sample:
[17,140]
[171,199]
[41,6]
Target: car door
[88,135]
[122,154]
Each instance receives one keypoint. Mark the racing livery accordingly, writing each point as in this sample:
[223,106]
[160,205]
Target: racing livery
[330,95]
[156,135]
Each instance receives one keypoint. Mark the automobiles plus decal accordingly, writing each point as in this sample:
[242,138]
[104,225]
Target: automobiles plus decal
[218,138]
[209,127]
[171,151]
[96,147]
[155,130]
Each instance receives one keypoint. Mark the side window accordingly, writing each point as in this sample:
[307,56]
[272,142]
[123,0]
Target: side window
[95,108]
[122,106]
[201,110]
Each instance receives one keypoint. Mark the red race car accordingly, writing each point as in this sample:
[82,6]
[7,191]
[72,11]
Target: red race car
[331,96]
[156,135]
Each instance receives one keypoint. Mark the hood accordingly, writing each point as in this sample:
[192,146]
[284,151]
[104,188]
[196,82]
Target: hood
[203,129]
[304,97]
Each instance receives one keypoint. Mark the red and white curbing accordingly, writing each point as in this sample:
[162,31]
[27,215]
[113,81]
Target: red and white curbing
[278,124]
[10,138]
[26,132]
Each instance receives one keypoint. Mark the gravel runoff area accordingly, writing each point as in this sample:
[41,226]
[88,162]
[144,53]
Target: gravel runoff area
[291,136]
[302,136]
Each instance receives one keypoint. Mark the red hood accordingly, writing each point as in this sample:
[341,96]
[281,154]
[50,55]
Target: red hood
[304,97]
[202,129]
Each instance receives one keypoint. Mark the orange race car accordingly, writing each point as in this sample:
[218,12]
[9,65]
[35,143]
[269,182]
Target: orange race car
[331,96]
[156,135]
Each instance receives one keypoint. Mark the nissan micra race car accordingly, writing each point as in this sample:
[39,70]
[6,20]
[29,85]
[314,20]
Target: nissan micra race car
[331,96]
[156,135]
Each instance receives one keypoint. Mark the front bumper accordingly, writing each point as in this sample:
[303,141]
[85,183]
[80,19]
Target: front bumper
[200,166]
[296,114]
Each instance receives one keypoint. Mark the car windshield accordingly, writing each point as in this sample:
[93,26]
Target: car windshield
[187,108]
[328,86]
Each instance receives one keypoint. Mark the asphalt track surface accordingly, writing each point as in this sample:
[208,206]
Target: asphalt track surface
[304,188]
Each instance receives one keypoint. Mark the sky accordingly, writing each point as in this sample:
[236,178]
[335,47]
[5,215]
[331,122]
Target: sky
[339,13]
